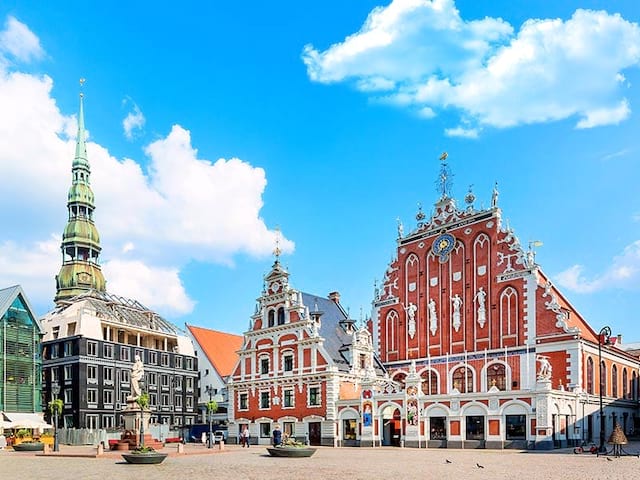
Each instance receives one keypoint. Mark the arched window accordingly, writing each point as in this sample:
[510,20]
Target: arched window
[458,380]
[281,316]
[271,316]
[497,376]
[614,381]
[429,382]
[634,386]
[603,377]
[625,383]
[590,375]
[400,377]
[392,328]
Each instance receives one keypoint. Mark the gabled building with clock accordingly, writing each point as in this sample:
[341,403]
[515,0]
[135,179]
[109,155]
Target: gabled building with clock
[301,356]
[483,350]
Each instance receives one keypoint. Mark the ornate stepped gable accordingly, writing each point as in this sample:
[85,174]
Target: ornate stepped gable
[462,281]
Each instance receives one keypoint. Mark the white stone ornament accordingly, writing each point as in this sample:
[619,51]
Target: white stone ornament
[480,299]
[411,319]
[457,303]
[433,317]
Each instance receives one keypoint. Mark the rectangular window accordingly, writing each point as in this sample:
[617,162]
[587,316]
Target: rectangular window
[189,384]
[349,428]
[153,399]
[264,366]
[107,375]
[189,403]
[92,349]
[152,379]
[55,332]
[68,396]
[55,377]
[153,358]
[108,351]
[314,396]
[92,374]
[71,329]
[265,430]
[125,376]
[165,360]
[92,422]
[243,403]
[264,400]
[68,349]
[178,383]
[108,421]
[516,427]
[438,427]
[475,427]
[178,361]
[188,420]
[164,379]
[288,429]
[189,362]
[178,401]
[107,398]
[288,363]
[92,395]
[288,398]
[165,400]
[68,373]
[124,353]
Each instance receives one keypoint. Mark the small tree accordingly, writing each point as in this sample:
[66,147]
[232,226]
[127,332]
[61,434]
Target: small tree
[212,407]
[56,406]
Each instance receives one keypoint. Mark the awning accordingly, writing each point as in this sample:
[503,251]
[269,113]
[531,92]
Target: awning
[23,420]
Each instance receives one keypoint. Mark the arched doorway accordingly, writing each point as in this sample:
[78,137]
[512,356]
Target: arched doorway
[391,426]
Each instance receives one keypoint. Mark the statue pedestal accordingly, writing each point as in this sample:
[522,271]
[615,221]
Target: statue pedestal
[135,419]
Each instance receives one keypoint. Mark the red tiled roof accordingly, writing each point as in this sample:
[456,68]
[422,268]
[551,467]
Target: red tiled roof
[219,347]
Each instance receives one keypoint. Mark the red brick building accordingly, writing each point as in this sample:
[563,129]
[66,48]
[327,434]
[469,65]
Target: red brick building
[492,352]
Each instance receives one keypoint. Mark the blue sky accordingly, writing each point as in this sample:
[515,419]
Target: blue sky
[213,123]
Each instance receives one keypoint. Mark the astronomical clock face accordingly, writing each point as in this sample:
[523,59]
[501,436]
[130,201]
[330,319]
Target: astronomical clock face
[443,245]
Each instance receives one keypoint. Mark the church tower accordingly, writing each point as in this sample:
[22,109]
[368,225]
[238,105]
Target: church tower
[80,247]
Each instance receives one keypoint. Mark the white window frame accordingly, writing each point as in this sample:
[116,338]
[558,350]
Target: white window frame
[92,349]
[260,407]
[319,387]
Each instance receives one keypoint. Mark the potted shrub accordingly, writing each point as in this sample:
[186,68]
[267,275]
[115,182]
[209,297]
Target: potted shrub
[24,442]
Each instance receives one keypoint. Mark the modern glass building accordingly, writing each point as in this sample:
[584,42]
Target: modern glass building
[20,363]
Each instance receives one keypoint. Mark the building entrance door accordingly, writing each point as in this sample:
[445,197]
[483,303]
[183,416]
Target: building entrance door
[315,433]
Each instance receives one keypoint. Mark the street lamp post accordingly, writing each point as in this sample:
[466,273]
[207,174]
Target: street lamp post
[603,339]
[209,390]
[55,390]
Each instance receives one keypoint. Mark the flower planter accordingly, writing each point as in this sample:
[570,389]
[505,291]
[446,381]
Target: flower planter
[29,447]
[150,458]
[291,451]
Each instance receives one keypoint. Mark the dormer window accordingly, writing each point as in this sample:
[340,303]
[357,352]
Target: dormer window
[271,318]
[281,316]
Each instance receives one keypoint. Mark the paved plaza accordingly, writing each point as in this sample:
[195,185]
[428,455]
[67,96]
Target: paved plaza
[328,463]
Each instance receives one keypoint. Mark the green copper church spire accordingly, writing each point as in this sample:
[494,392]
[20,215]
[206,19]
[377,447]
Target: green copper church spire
[80,241]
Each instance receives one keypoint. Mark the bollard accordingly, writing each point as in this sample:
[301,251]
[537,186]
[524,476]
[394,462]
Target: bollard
[100,449]
[47,449]
[221,445]
[180,448]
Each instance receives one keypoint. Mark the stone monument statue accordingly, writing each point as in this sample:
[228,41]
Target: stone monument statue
[137,372]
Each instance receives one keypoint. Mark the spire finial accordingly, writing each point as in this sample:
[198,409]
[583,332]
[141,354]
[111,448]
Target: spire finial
[82,80]
[444,178]
[277,251]
[81,147]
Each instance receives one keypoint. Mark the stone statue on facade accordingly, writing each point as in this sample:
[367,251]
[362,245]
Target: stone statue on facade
[480,298]
[457,303]
[433,317]
[411,319]
[544,373]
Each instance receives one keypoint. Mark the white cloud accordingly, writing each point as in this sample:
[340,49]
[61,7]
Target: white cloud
[133,121]
[624,272]
[184,208]
[462,132]
[17,41]
[160,287]
[423,54]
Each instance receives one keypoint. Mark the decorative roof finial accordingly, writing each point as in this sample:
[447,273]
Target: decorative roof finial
[277,251]
[470,198]
[82,80]
[420,216]
[494,196]
[444,178]
[400,228]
